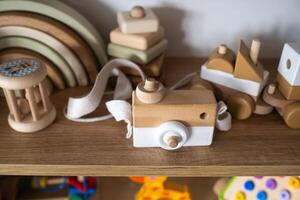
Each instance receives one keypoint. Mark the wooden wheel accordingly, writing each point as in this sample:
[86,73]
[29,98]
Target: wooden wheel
[291,115]
[241,106]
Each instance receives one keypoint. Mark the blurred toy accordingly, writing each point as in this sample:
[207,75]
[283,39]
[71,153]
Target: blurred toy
[139,38]
[23,83]
[284,95]
[39,185]
[238,80]
[46,184]
[157,188]
[260,188]
[81,188]
[137,179]
[78,188]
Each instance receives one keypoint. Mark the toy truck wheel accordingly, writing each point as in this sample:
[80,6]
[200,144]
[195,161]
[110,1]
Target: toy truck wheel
[241,106]
[291,115]
[172,136]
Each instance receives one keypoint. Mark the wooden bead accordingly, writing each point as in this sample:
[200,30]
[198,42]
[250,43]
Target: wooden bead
[271,88]
[254,51]
[137,12]
[222,59]
[222,49]
[241,106]
[151,85]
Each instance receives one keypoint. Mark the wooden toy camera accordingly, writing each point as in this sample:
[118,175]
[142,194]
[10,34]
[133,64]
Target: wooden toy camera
[23,83]
[171,119]
[284,95]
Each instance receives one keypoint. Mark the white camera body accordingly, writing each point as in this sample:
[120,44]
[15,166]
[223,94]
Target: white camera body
[158,136]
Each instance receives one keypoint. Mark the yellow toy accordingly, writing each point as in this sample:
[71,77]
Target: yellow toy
[156,188]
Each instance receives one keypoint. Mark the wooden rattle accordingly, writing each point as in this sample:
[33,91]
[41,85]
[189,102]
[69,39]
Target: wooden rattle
[24,86]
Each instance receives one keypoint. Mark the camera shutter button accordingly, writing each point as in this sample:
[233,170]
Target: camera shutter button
[173,141]
[172,135]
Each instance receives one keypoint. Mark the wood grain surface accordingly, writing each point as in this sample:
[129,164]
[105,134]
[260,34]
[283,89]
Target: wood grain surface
[261,145]
[53,73]
[57,30]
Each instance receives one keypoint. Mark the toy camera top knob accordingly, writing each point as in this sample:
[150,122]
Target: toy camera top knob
[151,85]
[137,12]
[150,91]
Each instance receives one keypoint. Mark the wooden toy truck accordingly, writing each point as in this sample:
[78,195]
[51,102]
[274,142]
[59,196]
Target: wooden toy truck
[284,95]
[238,80]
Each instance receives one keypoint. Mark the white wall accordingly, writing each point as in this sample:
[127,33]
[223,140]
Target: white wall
[195,27]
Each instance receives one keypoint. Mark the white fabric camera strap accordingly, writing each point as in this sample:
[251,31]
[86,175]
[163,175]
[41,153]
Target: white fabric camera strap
[78,107]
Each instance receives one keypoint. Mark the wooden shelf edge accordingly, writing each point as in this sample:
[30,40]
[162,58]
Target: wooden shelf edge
[174,171]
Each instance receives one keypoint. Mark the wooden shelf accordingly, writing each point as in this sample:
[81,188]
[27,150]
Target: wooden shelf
[262,145]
